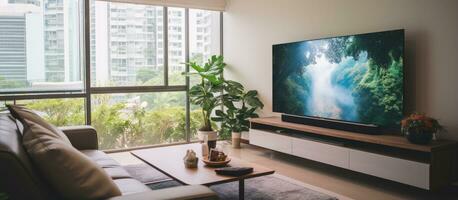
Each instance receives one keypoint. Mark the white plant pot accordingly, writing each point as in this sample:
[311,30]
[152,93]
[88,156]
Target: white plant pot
[236,139]
[210,136]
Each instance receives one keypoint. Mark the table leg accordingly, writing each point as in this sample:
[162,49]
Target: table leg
[241,189]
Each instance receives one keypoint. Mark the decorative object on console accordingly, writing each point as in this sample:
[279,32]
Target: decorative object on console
[206,93]
[239,107]
[190,159]
[419,128]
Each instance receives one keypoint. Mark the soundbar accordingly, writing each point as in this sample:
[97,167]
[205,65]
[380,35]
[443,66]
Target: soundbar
[339,125]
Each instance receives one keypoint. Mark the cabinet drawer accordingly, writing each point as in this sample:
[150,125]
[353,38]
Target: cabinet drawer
[270,141]
[321,152]
[395,169]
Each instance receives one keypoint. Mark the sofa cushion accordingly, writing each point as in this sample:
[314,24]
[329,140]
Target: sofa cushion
[25,116]
[117,172]
[111,167]
[101,158]
[130,185]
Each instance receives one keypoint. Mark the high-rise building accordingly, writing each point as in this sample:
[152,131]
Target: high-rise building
[124,39]
[176,39]
[30,2]
[204,34]
[40,42]
[61,36]
[21,54]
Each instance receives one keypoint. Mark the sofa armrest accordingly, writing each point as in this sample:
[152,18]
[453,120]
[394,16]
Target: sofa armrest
[81,137]
[175,193]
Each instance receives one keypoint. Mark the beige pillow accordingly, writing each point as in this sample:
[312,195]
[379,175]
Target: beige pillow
[66,169]
[26,116]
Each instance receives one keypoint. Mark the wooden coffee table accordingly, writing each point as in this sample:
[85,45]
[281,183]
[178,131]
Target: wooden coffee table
[169,160]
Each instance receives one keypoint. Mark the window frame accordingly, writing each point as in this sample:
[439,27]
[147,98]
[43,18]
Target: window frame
[85,62]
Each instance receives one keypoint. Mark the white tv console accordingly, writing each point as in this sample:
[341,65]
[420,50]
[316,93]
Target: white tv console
[390,157]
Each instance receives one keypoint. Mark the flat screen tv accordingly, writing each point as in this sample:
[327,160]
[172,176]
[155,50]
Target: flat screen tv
[355,78]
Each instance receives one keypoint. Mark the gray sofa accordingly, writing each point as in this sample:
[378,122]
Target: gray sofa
[21,180]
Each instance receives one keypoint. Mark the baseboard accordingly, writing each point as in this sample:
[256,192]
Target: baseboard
[245,141]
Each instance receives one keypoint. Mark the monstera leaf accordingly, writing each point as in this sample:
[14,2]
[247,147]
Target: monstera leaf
[211,71]
[239,107]
[206,93]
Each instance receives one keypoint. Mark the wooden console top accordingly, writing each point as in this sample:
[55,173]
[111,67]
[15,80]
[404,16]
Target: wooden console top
[386,139]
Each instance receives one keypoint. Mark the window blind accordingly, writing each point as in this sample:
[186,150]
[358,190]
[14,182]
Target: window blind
[217,5]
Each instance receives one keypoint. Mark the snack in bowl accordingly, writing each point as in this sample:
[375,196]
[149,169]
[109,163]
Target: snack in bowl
[216,159]
[216,155]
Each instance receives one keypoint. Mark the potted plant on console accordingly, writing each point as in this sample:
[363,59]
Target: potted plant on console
[419,128]
[206,94]
[239,107]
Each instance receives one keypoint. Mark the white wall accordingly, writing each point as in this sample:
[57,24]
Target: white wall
[252,26]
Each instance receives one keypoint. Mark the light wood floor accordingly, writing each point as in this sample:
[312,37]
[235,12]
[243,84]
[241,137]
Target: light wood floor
[347,183]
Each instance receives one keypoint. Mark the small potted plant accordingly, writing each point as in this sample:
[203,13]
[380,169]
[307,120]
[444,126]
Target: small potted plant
[419,128]
[239,107]
[206,94]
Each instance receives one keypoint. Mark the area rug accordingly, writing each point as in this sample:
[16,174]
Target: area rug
[265,187]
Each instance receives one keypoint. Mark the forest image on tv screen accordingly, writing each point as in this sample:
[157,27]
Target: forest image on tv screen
[355,78]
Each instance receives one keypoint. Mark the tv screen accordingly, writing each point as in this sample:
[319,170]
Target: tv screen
[356,78]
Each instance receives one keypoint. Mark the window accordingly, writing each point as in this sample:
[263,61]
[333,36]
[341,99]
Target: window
[200,51]
[176,41]
[36,54]
[136,94]
[199,20]
[139,119]
[132,27]
[60,112]
[209,20]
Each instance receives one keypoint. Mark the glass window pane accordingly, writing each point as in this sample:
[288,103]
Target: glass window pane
[204,36]
[176,23]
[127,47]
[196,121]
[40,46]
[130,120]
[59,112]
[204,41]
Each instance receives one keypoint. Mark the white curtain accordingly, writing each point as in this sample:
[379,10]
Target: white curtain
[217,5]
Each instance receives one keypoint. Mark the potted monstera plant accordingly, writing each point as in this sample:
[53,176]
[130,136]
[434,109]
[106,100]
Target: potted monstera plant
[239,106]
[207,93]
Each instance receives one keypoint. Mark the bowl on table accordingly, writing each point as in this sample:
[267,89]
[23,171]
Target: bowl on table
[216,163]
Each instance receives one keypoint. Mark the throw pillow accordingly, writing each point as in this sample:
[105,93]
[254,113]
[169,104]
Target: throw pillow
[68,171]
[26,116]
